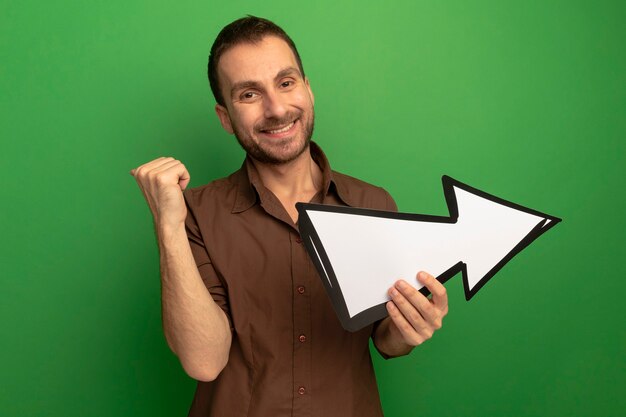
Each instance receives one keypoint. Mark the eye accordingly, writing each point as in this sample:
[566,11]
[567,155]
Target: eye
[287,83]
[248,95]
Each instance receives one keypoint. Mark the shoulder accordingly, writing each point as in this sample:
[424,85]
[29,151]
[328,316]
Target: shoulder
[220,192]
[358,193]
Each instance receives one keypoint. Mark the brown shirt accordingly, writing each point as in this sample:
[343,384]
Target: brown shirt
[289,354]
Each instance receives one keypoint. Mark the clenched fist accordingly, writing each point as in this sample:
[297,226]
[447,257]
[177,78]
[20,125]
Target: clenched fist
[162,182]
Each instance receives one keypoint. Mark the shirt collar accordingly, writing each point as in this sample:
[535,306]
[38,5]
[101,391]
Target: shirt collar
[250,187]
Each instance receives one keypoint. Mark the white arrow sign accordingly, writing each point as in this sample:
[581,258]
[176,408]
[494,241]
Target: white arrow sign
[361,253]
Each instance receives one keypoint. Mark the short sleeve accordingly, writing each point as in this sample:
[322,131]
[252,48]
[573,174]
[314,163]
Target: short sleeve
[211,280]
[390,203]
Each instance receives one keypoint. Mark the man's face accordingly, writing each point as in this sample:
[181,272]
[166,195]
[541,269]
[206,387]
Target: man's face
[268,105]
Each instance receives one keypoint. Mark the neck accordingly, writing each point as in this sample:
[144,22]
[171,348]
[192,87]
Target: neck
[292,182]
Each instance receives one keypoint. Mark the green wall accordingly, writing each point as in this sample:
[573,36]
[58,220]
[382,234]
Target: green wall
[525,100]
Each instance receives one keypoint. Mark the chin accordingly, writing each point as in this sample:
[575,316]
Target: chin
[279,153]
[288,155]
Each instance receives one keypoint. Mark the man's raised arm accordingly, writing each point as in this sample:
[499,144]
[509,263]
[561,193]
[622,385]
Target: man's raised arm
[195,327]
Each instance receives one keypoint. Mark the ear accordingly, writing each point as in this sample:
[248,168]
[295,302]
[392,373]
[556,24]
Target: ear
[308,86]
[222,114]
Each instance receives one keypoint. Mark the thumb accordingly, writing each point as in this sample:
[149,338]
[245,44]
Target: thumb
[183,183]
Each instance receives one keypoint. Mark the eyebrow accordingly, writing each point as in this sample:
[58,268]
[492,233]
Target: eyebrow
[241,85]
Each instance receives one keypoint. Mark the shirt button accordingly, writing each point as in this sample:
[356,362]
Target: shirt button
[301,289]
[301,391]
[298,239]
[302,338]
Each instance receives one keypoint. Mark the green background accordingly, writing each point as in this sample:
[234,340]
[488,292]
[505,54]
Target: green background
[525,100]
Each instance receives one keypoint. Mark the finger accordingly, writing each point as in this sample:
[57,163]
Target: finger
[149,166]
[134,171]
[407,331]
[174,170]
[408,310]
[419,301]
[165,171]
[165,165]
[157,163]
[177,168]
[436,288]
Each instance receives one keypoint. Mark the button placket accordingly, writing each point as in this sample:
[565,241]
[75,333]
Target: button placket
[301,327]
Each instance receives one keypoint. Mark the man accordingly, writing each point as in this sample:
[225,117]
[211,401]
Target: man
[242,305]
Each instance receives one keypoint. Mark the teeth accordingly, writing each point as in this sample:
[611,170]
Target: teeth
[284,129]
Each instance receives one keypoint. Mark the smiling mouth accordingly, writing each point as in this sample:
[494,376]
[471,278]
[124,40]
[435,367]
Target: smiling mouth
[279,130]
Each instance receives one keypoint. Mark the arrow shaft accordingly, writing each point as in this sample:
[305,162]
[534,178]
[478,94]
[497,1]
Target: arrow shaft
[355,255]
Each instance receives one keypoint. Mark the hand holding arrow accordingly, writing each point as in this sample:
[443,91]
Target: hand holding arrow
[413,318]
[360,253]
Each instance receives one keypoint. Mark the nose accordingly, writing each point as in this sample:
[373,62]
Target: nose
[274,105]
